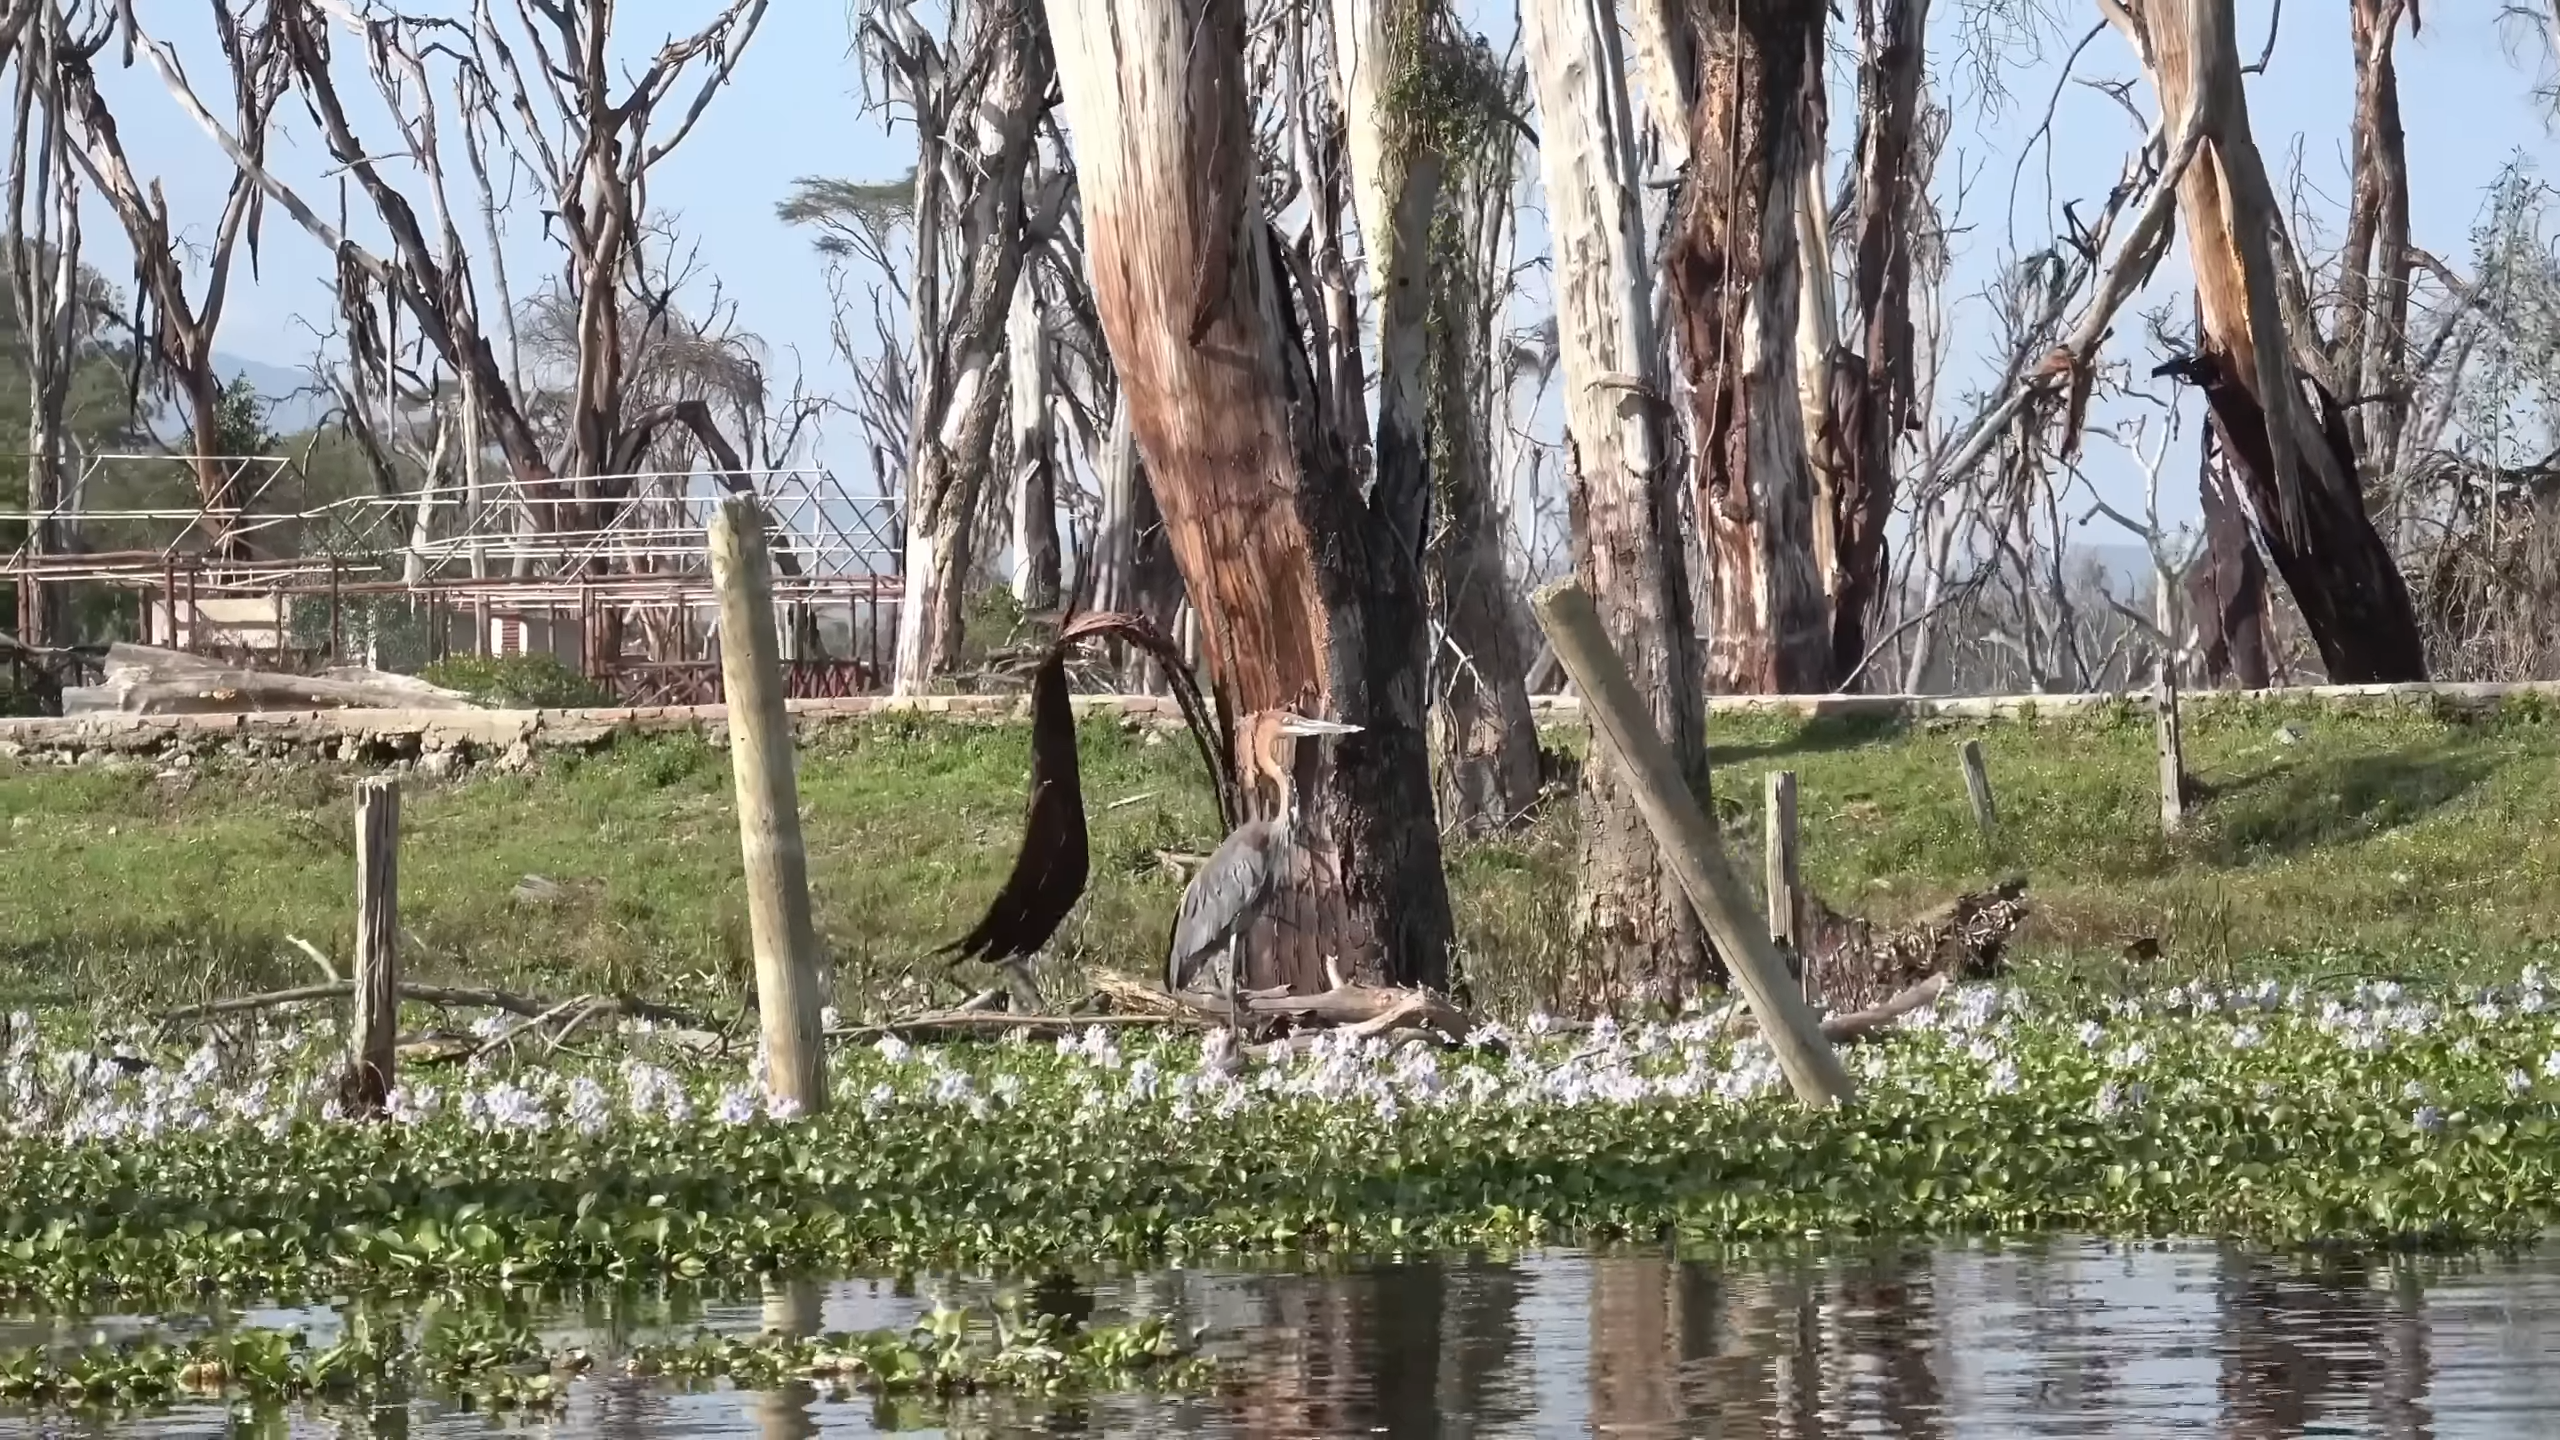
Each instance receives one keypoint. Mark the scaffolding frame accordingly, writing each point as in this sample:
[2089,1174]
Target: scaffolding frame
[508,549]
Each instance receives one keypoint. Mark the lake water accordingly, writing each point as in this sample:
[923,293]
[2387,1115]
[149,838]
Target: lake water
[2059,1337]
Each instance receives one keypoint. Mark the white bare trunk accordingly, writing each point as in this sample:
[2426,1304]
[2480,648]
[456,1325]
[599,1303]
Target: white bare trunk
[1817,339]
[1628,555]
[1035,502]
[1114,556]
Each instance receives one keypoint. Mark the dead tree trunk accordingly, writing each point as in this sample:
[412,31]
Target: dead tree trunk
[1488,743]
[2281,429]
[181,341]
[1307,596]
[961,405]
[2369,345]
[1641,938]
[1736,286]
[1872,406]
[44,289]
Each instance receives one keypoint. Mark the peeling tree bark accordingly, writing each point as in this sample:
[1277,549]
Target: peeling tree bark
[1737,290]
[1306,599]
[1641,940]
[2280,428]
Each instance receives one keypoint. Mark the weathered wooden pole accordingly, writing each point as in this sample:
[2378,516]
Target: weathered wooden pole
[1977,787]
[374,1033]
[1784,870]
[2173,753]
[760,757]
[1690,845]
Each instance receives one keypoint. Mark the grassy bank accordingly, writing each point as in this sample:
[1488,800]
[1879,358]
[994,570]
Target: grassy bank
[2405,845]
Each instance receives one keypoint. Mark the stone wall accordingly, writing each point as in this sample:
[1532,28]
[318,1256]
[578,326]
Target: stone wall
[442,741]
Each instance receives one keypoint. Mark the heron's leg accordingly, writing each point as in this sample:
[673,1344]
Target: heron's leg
[1018,971]
[1235,980]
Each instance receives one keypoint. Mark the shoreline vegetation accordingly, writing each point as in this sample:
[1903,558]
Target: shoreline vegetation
[2317,1019]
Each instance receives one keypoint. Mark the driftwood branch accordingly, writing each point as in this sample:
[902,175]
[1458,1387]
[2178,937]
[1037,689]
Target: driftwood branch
[445,995]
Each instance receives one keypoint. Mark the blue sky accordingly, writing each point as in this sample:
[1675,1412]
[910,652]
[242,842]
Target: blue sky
[2467,92]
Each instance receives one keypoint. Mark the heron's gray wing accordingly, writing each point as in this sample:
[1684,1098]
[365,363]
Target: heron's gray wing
[1228,890]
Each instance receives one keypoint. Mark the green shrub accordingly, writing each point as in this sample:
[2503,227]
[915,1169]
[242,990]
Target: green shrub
[516,682]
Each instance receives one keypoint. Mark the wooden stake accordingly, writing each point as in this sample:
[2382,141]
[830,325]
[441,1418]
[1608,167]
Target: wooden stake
[1690,844]
[1977,786]
[2173,754]
[1785,877]
[760,758]
[375,1032]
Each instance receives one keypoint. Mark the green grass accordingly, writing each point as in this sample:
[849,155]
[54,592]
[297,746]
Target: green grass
[2380,844]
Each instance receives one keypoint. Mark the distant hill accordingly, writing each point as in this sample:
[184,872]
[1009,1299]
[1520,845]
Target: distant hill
[288,413]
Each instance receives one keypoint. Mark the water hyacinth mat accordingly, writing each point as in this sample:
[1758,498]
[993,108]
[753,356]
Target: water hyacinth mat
[2365,1115]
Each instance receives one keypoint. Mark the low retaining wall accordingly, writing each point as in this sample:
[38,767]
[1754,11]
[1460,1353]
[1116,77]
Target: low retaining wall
[440,741]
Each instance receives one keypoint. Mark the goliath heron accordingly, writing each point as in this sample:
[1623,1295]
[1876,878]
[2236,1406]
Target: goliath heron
[1251,866]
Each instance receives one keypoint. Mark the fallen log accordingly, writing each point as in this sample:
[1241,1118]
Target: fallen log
[147,680]
[1853,962]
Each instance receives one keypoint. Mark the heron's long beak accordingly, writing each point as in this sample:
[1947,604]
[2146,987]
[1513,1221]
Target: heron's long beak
[1302,725]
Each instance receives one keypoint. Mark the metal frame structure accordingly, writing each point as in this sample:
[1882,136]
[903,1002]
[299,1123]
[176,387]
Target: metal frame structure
[503,550]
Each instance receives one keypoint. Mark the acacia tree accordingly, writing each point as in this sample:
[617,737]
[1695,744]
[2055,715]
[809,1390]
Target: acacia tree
[1306,597]
[1640,937]
[2281,426]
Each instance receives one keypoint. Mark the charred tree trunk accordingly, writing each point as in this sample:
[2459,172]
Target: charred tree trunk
[1307,596]
[2281,430]
[1642,940]
[1736,286]
[2227,588]
[1872,406]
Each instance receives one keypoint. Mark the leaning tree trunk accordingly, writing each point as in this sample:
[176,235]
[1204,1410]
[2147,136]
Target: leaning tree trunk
[2292,454]
[1642,940]
[1736,285]
[1307,596]
[1872,405]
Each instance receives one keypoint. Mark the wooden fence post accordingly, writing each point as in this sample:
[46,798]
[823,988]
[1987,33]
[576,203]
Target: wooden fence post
[1691,845]
[373,1035]
[2173,754]
[760,760]
[1785,873]
[1977,786]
